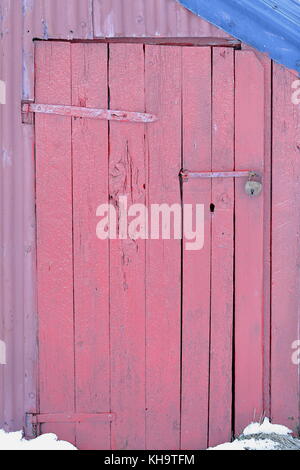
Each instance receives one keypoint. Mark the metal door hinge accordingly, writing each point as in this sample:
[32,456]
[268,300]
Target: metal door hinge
[29,108]
[31,427]
[33,421]
[43,418]
[27,116]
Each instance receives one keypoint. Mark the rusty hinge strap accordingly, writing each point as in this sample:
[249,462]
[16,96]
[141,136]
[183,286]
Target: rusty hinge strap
[186,175]
[36,419]
[89,113]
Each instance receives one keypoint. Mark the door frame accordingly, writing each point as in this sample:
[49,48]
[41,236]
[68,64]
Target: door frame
[31,321]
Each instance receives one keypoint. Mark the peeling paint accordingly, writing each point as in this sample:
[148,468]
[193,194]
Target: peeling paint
[27,59]
[109,25]
[27,6]
[6,158]
[2,353]
[45,29]
[149,18]
[2,92]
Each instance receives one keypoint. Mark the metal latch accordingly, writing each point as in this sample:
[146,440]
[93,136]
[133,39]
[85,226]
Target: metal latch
[253,185]
[88,113]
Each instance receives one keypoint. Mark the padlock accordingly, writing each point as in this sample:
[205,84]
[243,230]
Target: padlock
[253,186]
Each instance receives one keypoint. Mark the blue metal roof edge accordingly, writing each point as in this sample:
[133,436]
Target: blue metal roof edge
[271,26]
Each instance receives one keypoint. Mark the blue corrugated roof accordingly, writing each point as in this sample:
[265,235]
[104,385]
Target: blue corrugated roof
[271,26]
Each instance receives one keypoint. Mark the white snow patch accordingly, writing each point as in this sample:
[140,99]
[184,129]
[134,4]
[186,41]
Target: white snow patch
[266,428]
[248,444]
[15,441]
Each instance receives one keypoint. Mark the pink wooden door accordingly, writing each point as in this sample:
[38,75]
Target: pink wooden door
[142,344]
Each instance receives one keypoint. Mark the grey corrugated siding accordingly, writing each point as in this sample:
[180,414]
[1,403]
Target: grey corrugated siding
[154,18]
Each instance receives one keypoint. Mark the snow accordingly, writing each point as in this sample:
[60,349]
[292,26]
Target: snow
[248,444]
[15,441]
[266,428]
[256,436]
[262,436]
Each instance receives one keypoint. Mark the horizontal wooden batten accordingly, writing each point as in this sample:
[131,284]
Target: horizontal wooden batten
[161,41]
[88,113]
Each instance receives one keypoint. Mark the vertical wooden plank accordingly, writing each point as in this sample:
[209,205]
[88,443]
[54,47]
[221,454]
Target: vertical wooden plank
[163,291]
[54,231]
[285,249]
[249,242]
[91,256]
[267,63]
[196,264]
[220,394]
[93,436]
[127,257]
[64,431]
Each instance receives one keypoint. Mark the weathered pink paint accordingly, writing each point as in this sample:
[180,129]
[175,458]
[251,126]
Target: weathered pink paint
[91,264]
[21,23]
[285,381]
[73,418]
[196,282]
[163,257]
[127,177]
[87,19]
[55,236]
[149,330]
[222,249]
[249,242]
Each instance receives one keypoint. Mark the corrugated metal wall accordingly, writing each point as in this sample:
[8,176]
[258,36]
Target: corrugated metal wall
[12,229]
[20,22]
[116,18]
